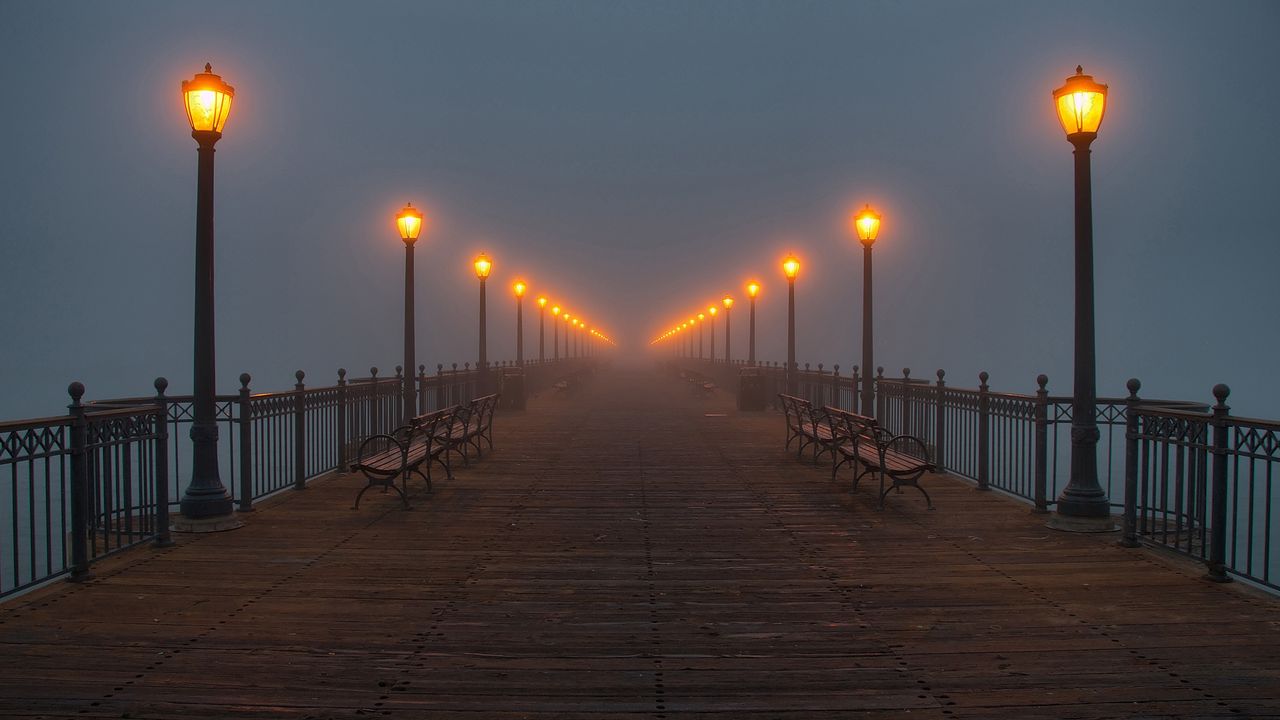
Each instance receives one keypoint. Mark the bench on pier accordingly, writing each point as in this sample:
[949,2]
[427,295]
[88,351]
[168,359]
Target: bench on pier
[803,428]
[472,427]
[699,384]
[385,457]
[570,382]
[855,439]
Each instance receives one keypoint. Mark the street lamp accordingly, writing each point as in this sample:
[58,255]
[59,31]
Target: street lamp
[728,354]
[712,312]
[542,328]
[483,267]
[518,288]
[409,223]
[555,332]
[791,268]
[208,103]
[1083,505]
[567,325]
[701,317]
[753,289]
[866,224]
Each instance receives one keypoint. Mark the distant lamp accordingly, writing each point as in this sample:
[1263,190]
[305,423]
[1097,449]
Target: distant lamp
[483,266]
[208,101]
[791,267]
[555,310]
[753,289]
[1081,102]
[712,311]
[728,302]
[409,222]
[542,302]
[867,225]
[519,288]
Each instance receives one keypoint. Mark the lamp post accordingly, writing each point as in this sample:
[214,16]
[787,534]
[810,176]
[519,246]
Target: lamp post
[519,289]
[1083,505]
[867,226]
[728,327]
[542,329]
[555,332]
[208,103]
[483,267]
[409,223]
[790,268]
[712,331]
[568,325]
[701,318]
[753,289]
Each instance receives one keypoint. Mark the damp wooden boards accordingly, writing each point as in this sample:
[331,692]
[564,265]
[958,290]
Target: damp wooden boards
[626,552]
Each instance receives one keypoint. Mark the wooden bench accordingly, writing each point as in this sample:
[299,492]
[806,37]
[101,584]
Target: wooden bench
[858,439]
[384,457]
[470,427]
[803,426]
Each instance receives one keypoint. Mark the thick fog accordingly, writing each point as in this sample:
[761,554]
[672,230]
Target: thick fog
[636,161]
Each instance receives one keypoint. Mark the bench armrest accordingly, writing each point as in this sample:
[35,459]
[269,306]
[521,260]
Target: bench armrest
[907,445]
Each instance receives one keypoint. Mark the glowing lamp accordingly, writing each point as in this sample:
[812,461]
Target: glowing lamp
[791,267]
[208,101]
[867,225]
[519,288]
[701,317]
[712,310]
[542,302]
[555,311]
[753,289]
[1080,102]
[728,302]
[483,266]
[409,222]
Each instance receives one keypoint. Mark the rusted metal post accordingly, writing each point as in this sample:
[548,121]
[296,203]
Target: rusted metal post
[163,537]
[1129,538]
[342,420]
[244,407]
[299,433]
[1217,561]
[80,504]
[984,432]
[940,422]
[1042,445]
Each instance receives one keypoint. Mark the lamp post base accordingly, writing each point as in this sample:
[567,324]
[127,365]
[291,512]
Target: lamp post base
[1075,523]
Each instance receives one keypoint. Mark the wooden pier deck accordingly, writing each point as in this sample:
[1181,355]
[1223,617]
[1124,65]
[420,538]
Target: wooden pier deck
[632,551]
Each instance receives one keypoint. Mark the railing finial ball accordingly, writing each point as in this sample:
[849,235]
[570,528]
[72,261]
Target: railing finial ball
[421,368]
[906,373]
[941,373]
[76,391]
[244,380]
[161,384]
[299,375]
[1134,385]
[342,372]
[983,377]
[1043,380]
[373,371]
[1221,391]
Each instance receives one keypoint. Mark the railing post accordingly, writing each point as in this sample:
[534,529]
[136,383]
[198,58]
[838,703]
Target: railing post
[245,421]
[342,420]
[940,422]
[1129,537]
[163,537]
[855,380]
[375,403]
[835,386]
[422,389]
[984,432]
[906,402]
[1042,446]
[1218,528]
[300,433]
[398,402]
[79,487]
[441,402]
[879,393]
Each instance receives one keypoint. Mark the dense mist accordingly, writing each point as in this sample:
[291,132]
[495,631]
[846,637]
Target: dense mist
[636,161]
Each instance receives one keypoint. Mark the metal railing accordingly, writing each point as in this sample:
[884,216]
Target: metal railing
[106,476]
[1181,475]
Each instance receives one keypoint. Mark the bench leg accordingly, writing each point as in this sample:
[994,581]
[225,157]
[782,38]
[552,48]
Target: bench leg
[404,499]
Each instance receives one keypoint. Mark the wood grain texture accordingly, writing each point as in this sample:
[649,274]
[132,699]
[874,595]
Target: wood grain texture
[622,554]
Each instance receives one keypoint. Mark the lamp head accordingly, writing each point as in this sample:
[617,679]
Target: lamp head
[483,266]
[728,302]
[791,267]
[866,223]
[753,289]
[208,102]
[1080,103]
[518,288]
[409,223]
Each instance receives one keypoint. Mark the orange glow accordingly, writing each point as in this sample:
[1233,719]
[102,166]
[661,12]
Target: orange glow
[791,267]
[1080,102]
[483,266]
[866,223]
[519,288]
[712,310]
[409,222]
[542,302]
[208,101]
[555,310]
[728,302]
[753,289]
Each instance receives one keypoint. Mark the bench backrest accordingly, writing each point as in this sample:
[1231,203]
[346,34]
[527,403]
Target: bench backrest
[852,425]
[799,411]
[433,424]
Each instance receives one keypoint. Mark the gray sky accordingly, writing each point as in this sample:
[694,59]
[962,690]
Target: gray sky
[637,161]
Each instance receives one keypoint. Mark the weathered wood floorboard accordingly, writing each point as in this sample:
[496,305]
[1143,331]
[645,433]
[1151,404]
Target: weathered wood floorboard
[623,554]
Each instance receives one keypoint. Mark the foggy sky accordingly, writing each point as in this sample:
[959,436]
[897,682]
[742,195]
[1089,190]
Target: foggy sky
[636,162]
